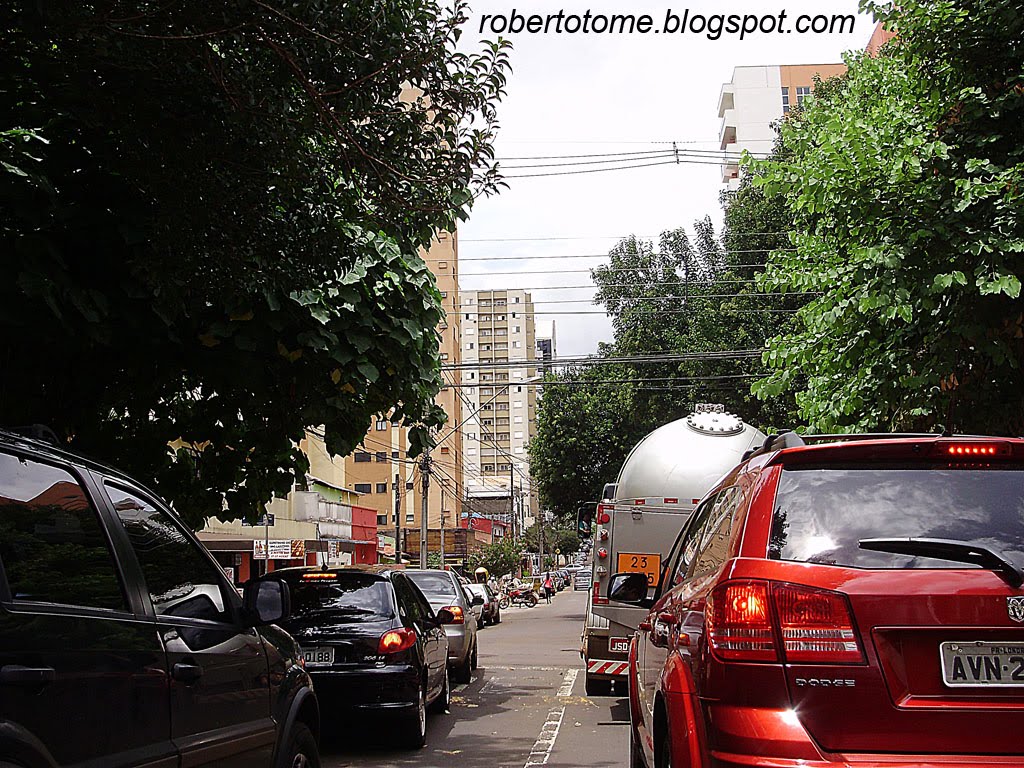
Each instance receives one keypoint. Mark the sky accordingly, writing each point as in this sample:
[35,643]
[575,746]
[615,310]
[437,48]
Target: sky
[600,93]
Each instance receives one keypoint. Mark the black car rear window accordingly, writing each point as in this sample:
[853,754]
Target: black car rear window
[434,584]
[822,513]
[350,596]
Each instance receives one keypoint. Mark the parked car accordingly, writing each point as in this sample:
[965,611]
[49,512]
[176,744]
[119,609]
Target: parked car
[476,607]
[371,643]
[490,610]
[444,590]
[121,638]
[861,597]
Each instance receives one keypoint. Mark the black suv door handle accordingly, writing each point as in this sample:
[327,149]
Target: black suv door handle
[187,672]
[15,674]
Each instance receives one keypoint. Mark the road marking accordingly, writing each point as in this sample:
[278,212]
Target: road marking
[541,752]
[567,684]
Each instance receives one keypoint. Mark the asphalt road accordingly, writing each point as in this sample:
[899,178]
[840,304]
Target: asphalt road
[525,707]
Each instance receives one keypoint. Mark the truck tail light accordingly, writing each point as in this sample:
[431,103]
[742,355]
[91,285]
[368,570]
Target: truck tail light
[396,640]
[739,624]
[816,625]
[746,619]
[596,599]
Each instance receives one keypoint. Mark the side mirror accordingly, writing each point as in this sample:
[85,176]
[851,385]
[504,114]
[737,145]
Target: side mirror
[444,616]
[629,588]
[585,519]
[267,601]
[477,600]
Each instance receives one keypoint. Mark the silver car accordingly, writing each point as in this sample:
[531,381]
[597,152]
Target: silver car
[443,590]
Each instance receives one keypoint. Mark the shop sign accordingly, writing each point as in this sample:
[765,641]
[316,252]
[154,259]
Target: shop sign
[280,549]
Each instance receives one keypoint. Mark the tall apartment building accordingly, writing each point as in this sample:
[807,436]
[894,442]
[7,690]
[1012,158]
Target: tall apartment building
[546,344]
[499,339]
[755,100]
[372,468]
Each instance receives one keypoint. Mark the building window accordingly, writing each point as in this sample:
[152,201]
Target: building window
[444,294]
[517,299]
[802,92]
[470,345]
[470,331]
[471,451]
[442,265]
[519,449]
[518,404]
[394,454]
[518,420]
[519,435]
[361,457]
[382,520]
[444,450]
[785,101]
[382,424]
[408,486]
[513,315]
[363,488]
[410,517]
[382,487]
[516,328]
[382,456]
[444,355]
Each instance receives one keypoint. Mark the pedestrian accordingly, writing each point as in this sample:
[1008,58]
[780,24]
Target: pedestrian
[549,587]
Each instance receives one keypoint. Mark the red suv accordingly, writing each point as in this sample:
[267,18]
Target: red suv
[847,603]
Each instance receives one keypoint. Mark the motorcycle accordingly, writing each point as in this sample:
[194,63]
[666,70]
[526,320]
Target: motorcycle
[524,596]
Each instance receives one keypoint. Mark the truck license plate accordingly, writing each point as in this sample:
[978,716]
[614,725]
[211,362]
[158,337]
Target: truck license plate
[641,562]
[618,645]
[980,663]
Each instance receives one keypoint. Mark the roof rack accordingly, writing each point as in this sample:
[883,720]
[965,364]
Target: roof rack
[790,439]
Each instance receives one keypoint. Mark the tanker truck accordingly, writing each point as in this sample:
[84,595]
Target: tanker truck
[634,526]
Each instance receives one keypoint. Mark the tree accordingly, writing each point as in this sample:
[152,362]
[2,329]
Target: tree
[211,217]
[561,535]
[499,558]
[905,182]
[583,434]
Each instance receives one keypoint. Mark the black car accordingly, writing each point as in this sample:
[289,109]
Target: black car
[371,642]
[122,642]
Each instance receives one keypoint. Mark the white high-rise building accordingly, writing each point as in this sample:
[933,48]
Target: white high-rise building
[754,100]
[499,354]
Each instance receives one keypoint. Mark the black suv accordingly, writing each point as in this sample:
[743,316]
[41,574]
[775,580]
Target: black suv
[122,642]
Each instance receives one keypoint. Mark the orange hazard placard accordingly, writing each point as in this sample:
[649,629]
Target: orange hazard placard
[641,562]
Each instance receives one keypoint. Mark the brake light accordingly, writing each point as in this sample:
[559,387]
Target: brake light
[458,616]
[816,625]
[739,625]
[396,640]
[987,449]
[597,599]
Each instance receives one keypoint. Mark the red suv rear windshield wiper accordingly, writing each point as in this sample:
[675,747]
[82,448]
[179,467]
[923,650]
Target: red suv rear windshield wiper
[948,549]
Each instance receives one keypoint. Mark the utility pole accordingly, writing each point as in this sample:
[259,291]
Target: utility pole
[442,523]
[398,519]
[511,497]
[425,472]
[541,539]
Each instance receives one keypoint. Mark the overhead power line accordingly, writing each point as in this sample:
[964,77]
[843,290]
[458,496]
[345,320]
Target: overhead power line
[626,299]
[608,255]
[587,237]
[662,357]
[606,270]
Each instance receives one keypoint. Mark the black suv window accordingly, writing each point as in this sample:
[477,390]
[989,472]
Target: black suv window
[52,545]
[822,513]
[181,580]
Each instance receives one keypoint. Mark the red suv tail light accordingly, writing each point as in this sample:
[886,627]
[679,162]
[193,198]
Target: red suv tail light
[739,625]
[396,640]
[816,625]
[746,619]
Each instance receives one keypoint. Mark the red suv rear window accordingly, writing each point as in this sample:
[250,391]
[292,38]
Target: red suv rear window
[821,513]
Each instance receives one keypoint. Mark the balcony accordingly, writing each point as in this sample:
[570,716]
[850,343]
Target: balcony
[726,99]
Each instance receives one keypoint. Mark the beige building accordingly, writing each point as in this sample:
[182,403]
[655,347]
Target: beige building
[371,470]
[499,349]
[753,102]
